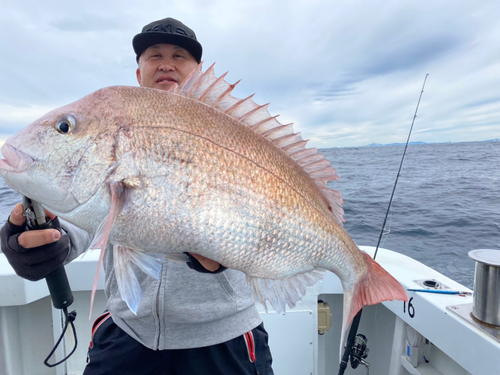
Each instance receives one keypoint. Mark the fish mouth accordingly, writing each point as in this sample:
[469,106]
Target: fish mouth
[14,161]
[15,168]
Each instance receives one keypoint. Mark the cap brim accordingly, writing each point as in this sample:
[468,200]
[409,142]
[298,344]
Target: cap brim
[144,40]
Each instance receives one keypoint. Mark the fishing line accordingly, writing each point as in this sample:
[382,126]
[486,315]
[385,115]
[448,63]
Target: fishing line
[400,166]
[355,323]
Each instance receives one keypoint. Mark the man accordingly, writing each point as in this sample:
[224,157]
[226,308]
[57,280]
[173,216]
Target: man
[199,318]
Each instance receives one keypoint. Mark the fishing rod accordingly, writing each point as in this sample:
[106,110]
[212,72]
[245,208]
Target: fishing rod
[399,171]
[57,280]
[356,344]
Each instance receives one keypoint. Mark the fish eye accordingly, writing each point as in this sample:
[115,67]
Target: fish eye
[66,124]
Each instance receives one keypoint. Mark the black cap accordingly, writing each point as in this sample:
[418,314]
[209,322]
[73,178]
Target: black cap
[169,31]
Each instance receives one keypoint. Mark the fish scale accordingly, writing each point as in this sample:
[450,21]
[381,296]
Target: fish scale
[206,173]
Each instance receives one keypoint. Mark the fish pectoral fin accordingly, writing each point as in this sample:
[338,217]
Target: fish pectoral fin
[117,199]
[280,292]
[128,285]
[101,237]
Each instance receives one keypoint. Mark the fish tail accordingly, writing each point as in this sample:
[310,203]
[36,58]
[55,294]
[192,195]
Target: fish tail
[375,286]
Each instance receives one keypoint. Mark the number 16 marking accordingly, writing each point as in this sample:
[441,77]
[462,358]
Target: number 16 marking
[411,309]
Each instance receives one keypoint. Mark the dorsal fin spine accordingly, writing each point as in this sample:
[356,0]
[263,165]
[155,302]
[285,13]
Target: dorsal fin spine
[274,130]
[295,147]
[312,158]
[305,152]
[287,139]
[189,79]
[205,93]
[200,80]
[255,126]
[249,113]
[236,105]
[227,92]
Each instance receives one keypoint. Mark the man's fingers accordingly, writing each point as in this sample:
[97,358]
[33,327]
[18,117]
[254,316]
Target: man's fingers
[35,238]
[16,216]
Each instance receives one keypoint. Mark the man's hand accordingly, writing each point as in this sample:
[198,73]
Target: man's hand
[33,254]
[204,265]
[34,238]
[208,264]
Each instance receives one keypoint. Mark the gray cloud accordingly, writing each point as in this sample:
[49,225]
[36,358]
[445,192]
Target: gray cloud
[346,73]
[87,22]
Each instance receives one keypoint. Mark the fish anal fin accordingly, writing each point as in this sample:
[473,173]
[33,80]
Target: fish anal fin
[280,292]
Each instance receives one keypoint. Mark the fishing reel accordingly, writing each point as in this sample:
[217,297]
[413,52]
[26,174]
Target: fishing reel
[355,348]
[359,352]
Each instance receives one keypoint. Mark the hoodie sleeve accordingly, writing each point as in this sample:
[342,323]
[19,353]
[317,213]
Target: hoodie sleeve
[80,240]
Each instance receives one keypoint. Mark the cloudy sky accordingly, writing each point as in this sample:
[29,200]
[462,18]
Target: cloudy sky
[347,73]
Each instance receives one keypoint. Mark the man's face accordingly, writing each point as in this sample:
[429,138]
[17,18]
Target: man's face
[162,65]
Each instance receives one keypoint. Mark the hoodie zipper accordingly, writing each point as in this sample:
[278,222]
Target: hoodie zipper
[158,307]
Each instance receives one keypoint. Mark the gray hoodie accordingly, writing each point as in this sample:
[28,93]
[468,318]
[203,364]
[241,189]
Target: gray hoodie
[183,309]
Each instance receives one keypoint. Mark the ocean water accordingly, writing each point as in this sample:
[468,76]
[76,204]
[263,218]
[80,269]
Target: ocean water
[447,201]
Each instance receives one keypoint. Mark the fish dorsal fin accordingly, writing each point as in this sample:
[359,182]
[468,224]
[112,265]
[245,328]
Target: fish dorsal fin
[216,92]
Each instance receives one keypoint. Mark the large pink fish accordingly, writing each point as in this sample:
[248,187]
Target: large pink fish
[195,170]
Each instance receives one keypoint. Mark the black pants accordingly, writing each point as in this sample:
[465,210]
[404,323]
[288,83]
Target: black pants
[114,352]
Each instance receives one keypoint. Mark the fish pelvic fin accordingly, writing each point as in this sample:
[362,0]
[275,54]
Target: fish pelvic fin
[126,279]
[280,292]
[376,286]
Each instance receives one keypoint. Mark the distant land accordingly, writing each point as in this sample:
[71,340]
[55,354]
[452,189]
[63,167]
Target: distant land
[422,143]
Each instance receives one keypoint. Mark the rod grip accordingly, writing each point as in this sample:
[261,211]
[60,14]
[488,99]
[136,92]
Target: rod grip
[59,288]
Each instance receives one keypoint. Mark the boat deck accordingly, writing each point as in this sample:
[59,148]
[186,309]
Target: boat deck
[451,343]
